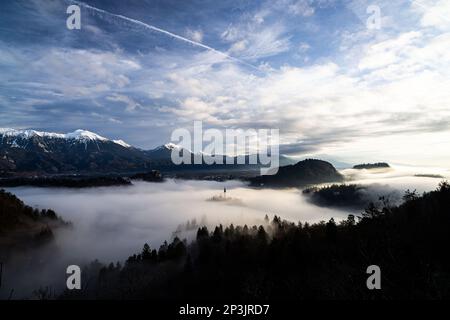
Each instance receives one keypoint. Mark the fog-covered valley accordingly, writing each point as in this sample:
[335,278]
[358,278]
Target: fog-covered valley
[111,223]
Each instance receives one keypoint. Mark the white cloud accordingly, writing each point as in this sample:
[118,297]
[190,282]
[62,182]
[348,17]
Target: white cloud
[239,46]
[131,105]
[70,74]
[261,15]
[390,51]
[194,35]
[435,13]
[303,47]
[254,41]
[302,8]
[401,88]
[384,84]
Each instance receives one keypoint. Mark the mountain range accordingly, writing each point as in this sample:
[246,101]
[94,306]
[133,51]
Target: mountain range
[35,152]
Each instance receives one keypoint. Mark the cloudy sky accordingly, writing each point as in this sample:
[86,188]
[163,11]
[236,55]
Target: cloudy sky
[335,87]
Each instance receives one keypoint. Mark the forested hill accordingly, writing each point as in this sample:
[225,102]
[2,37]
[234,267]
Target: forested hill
[306,172]
[23,227]
[284,260]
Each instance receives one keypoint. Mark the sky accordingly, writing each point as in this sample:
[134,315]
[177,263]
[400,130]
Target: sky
[335,86]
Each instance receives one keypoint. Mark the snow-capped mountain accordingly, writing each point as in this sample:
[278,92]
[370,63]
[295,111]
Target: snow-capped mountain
[163,153]
[14,136]
[81,150]
[31,151]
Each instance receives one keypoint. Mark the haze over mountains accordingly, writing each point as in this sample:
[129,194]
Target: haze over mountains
[82,151]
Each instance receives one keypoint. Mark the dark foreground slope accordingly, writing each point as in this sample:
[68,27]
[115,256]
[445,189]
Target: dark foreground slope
[22,227]
[283,260]
[306,172]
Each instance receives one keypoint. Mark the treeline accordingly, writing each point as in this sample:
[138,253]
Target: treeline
[339,195]
[65,181]
[354,196]
[84,181]
[150,176]
[371,165]
[285,260]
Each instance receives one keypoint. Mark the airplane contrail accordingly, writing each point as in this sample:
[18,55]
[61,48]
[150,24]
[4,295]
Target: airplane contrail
[167,33]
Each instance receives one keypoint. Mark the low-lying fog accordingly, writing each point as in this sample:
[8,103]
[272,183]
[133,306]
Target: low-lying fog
[111,223]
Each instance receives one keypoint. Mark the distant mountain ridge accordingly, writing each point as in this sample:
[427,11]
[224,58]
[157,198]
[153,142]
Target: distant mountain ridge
[82,151]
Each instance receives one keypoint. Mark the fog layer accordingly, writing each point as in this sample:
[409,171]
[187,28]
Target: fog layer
[112,223]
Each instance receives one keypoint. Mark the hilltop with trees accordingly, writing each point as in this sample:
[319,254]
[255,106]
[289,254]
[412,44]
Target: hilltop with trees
[303,173]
